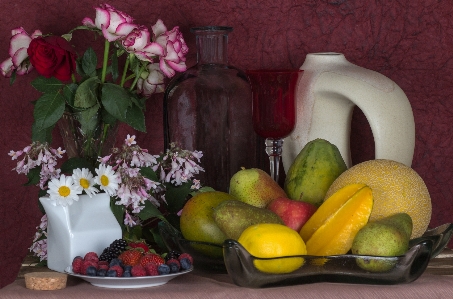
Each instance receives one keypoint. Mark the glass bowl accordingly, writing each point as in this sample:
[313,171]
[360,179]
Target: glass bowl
[336,268]
[207,256]
[239,264]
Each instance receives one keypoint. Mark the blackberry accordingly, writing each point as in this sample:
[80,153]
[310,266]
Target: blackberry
[173,254]
[118,245]
[114,250]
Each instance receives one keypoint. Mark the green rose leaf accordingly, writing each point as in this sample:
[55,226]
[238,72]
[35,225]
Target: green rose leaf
[69,92]
[116,100]
[176,196]
[86,94]
[135,118]
[149,173]
[89,120]
[47,85]
[150,211]
[73,163]
[33,176]
[107,118]
[89,61]
[117,211]
[48,110]
[44,135]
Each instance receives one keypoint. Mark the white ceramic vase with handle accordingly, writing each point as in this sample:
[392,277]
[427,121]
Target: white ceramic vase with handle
[86,225]
[326,94]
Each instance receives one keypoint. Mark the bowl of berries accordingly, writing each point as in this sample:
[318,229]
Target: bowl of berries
[126,264]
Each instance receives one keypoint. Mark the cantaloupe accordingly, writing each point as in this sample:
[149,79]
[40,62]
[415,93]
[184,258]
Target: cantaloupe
[396,188]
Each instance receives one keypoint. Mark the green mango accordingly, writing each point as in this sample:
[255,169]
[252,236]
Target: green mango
[233,217]
[315,168]
[388,236]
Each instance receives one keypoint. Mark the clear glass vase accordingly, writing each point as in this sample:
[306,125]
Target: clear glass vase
[209,108]
[89,141]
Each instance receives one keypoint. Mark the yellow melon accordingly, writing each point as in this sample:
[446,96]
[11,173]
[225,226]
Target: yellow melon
[396,188]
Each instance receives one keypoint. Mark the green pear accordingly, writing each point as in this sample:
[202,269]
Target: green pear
[255,187]
[386,237]
[233,217]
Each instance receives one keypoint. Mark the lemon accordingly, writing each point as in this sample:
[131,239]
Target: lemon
[268,240]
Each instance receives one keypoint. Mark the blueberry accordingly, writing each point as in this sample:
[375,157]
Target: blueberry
[115,261]
[174,268]
[127,268]
[185,264]
[111,273]
[127,274]
[101,272]
[77,257]
[163,269]
[91,271]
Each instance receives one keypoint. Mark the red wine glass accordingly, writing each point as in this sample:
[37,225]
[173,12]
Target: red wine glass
[274,109]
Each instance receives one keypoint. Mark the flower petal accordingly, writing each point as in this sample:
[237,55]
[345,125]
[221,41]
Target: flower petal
[159,28]
[19,57]
[19,41]
[7,67]
[88,22]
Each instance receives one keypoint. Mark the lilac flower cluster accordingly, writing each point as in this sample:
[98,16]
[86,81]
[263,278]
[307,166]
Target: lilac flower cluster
[179,166]
[38,154]
[39,246]
[134,188]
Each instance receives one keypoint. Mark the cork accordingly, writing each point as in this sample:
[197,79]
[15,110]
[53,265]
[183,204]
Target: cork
[45,281]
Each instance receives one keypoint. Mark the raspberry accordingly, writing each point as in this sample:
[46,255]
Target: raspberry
[151,269]
[138,270]
[86,264]
[103,263]
[174,265]
[119,270]
[105,267]
[185,263]
[77,265]
[92,256]
[163,269]
[185,255]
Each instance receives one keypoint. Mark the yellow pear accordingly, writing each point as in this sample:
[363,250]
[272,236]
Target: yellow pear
[255,187]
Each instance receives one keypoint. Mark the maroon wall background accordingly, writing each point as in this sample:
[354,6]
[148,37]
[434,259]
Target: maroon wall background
[409,41]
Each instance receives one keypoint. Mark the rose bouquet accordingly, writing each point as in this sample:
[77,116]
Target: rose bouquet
[143,188]
[99,96]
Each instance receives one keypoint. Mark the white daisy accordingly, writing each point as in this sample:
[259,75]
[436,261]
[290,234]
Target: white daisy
[107,179]
[63,191]
[84,178]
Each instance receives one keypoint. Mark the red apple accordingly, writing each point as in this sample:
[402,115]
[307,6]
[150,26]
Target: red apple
[293,213]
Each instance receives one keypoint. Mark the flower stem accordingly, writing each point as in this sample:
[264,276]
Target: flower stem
[142,68]
[106,58]
[126,66]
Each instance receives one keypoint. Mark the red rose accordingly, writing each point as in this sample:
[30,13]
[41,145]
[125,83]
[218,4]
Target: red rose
[52,56]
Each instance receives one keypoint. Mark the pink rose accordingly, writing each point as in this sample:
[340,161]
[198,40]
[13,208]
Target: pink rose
[138,43]
[19,44]
[52,56]
[151,81]
[114,24]
[175,49]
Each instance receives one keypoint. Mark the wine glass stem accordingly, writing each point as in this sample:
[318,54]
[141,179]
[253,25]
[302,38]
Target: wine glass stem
[274,151]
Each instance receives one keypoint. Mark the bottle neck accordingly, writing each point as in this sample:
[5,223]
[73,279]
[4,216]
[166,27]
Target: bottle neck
[212,44]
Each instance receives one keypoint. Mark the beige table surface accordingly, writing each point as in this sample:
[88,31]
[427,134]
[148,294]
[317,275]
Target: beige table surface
[436,282]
